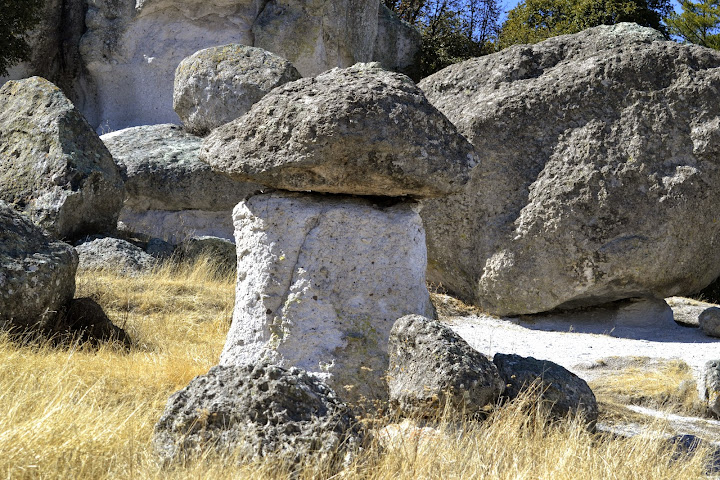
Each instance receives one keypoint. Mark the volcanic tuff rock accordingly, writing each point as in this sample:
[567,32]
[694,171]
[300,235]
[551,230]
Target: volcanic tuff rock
[432,366]
[599,176]
[709,321]
[256,411]
[176,226]
[131,49]
[162,171]
[560,390]
[217,85]
[360,130]
[113,253]
[52,164]
[712,385]
[37,274]
[397,42]
[321,280]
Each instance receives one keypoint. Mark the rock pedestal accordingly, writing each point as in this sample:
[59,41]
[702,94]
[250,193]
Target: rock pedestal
[321,280]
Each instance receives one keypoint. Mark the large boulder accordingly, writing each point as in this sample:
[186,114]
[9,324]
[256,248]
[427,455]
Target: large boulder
[37,274]
[397,43]
[107,253]
[432,367]
[709,321]
[560,391]
[361,130]
[162,171]
[52,164]
[598,178]
[712,385]
[131,49]
[176,226]
[219,84]
[321,280]
[256,411]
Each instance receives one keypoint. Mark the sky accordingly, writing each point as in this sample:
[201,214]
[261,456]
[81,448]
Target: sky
[509,4]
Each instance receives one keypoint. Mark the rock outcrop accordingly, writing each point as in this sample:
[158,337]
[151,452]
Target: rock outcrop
[598,178]
[433,368]
[712,386]
[361,130]
[37,274]
[562,392]
[131,49]
[397,43]
[709,321]
[171,193]
[52,164]
[321,280]
[109,253]
[256,411]
[219,84]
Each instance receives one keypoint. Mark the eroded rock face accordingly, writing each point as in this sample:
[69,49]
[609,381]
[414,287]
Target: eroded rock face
[162,171]
[256,411]
[560,390]
[37,274]
[712,386]
[131,49]
[431,366]
[52,164]
[360,130]
[709,321]
[217,85]
[598,177]
[174,226]
[321,280]
[397,42]
[113,254]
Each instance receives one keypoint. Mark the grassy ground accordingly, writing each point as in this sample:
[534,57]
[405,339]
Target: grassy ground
[89,413]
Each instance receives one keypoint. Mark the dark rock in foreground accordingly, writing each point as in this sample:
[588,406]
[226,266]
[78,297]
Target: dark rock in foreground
[256,411]
[432,367]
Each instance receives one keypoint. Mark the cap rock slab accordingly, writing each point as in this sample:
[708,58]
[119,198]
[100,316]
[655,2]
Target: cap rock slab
[321,280]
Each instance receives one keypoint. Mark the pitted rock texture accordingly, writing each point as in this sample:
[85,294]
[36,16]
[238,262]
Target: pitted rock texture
[321,280]
[709,321]
[256,411]
[712,386]
[599,176]
[162,171]
[52,164]
[560,390]
[113,254]
[432,367]
[361,130]
[37,274]
[131,49]
[176,226]
[217,85]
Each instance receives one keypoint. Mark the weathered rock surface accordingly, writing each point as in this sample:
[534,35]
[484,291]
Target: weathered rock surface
[360,130]
[115,254]
[37,274]
[432,367]
[712,386]
[397,42]
[176,226]
[592,163]
[52,164]
[560,390]
[162,171]
[709,321]
[256,411]
[217,85]
[321,280]
[131,49]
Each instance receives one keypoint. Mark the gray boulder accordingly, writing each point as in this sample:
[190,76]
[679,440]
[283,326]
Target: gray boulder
[597,177]
[256,411]
[217,85]
[52,164]
[712,386]
[37,274]
[709,321]
[219,250]
[432,367]
[162,171]
[321,280]
[397,42]
[560,390]
[360,130]
[115,254]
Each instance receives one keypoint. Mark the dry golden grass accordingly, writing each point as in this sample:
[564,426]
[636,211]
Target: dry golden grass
[89,413]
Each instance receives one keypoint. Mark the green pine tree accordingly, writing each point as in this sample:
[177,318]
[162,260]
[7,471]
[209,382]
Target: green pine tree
[698,23]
